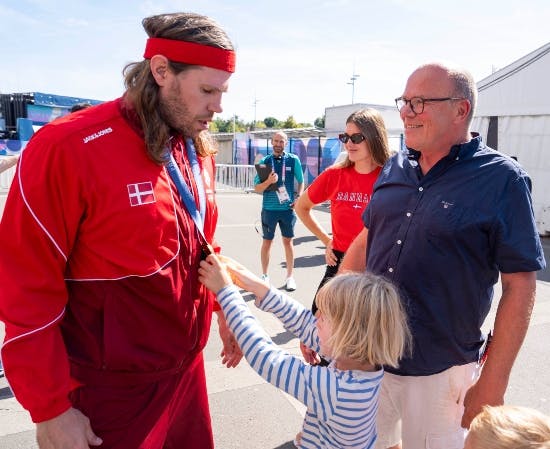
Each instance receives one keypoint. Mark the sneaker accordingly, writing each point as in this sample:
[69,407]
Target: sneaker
[290,284]
[265,278]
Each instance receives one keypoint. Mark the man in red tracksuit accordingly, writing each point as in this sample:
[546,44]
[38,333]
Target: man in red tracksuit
[105,317]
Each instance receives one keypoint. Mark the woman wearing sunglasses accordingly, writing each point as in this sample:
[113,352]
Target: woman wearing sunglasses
[348,185]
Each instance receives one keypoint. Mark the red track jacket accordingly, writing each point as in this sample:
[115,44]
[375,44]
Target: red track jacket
[98,262]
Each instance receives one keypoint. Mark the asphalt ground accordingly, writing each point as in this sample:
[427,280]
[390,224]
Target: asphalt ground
[248,413]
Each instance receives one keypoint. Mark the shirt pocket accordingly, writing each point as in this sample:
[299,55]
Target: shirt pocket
[444,217]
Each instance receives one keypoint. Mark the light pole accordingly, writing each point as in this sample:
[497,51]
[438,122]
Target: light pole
[255,104]
[234,146]
[352,82]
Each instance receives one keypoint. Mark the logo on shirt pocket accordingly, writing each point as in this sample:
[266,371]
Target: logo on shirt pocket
[443,217]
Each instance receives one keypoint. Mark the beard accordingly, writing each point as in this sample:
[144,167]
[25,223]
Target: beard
[175,112]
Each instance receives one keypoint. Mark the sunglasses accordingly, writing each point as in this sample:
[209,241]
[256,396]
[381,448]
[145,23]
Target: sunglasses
[355,138]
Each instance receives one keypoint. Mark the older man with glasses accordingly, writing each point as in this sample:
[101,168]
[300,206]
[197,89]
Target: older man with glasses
[447,217]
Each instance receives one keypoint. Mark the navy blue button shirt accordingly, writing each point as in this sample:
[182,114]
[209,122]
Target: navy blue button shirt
[443,238]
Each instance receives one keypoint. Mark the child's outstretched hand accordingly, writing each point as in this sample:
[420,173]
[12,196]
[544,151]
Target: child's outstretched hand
[244,278]
[213,275]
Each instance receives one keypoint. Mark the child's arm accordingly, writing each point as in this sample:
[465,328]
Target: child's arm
[244,278]
[294,316]
[275,365]
[281,369]
[298,320]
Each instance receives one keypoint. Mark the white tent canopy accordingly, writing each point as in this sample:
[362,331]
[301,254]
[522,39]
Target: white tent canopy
[513,116]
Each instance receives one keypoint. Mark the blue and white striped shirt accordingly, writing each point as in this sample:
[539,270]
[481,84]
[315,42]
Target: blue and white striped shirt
[341,405]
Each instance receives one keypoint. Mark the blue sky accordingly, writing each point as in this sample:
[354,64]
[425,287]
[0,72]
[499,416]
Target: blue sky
[293,57]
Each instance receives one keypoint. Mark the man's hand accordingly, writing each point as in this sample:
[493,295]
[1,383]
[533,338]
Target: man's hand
[272,178]
[70,430]
[510,327]
[231,353]
[476,397]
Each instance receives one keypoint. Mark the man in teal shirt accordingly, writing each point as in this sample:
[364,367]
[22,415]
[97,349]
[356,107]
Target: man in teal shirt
[278,203]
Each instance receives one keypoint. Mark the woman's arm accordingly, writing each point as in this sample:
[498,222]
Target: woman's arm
[356,255]
[303,209]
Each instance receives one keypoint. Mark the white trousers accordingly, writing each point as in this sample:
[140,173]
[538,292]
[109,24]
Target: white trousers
[424,412]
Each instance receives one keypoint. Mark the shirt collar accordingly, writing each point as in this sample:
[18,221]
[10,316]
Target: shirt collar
[460,151]
[278,158]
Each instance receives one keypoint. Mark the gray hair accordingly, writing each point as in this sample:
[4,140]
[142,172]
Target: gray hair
[465,87]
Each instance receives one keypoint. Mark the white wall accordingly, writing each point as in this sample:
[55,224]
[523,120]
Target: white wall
[518,89]
[528,139]
[519,96]
[336,116]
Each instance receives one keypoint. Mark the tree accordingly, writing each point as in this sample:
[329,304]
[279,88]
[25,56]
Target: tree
[272,122]
[220,125]
[213,127]
[319,122]
[260,125]
[289,123]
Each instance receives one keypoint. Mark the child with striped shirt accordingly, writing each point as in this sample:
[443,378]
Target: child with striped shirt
[360,326]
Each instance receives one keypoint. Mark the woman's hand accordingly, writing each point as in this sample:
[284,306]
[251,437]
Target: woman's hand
[330,257]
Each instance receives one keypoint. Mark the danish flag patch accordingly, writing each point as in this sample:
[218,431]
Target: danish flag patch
[141,193]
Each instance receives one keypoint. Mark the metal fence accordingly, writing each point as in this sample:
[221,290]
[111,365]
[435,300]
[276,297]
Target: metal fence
[235,177]
[228,177]
[6,178]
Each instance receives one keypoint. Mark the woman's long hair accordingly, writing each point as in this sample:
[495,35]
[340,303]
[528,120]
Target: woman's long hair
[371,124]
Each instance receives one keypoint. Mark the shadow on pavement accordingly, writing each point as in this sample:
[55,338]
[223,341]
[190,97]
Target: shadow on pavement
[287,445]
[325,207]
[282,338]
[6,393]
[247,296]
[544,275]
[309,261]
[308,238]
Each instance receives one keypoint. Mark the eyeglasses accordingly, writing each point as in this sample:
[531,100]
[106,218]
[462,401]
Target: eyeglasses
[355,138]
[417,103]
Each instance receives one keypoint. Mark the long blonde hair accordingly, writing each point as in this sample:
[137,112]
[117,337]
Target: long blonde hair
[368,321]
[142,90]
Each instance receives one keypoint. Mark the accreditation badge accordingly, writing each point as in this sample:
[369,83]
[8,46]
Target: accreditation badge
[282,194]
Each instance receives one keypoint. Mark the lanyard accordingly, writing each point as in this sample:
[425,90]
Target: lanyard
[283,171]
[192,156]
[185,193]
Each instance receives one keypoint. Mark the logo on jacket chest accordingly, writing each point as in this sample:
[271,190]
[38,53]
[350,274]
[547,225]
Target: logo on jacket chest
[141,193]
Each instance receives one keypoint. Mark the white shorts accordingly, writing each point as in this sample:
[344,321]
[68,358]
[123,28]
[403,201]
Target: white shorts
[424,412]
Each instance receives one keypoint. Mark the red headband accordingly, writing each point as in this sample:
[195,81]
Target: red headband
[191,53]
